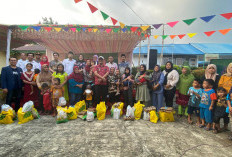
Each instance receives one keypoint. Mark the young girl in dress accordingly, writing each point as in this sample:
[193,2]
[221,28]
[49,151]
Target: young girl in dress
[47,105]
[57,92]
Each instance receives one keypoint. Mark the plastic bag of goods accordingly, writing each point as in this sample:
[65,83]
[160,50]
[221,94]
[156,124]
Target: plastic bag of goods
[35,113]
[101,111]
[61,115]
[153,117]
[62,101]
[28,106]
[146,115]
[71,113]
[7,115]
[166,114]
[138,110]
[24,117]
[80,106]
[90,116]
[130,113]
[116,114]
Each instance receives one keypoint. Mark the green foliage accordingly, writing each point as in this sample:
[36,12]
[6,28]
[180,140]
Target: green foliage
[176,67]
[198,73]
[48,21]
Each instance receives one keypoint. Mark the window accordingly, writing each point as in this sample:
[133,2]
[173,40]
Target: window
[179,61]
[192,61]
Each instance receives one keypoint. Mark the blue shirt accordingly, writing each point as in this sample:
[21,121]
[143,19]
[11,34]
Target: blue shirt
[228,98]
[73,88]
[207,97]
[122,66]
[194,100]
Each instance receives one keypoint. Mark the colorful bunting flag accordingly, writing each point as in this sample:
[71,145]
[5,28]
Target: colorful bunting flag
[172,36]
[181,36]
[122,25]
[124,29]
[224,31]
[23,27]
[102,30]
[156,36]
[78,29]
[92,8]
[108,30]
[191,34]
[227,15]
[139,33]
[95,30]
[164,36]
[66,29]
[58,29]
[189,21]
[116,30]
[144,28]
[157,26]
[209,33]
[207,18]
[172,24]
[83,29]
[37,28]
[133,29]
[104,15]
[48,29]
[73,29]
[113,21]
[90,29]
[128,28]
[76,1]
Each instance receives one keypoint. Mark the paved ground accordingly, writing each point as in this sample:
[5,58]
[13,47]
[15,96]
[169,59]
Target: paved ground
[110,137]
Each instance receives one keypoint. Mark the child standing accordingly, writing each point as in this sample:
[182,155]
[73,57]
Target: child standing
[195,97]
[220,110]
[117,80]
[36,72]
[57,92]
[88,96]
[45,91]
[208,98]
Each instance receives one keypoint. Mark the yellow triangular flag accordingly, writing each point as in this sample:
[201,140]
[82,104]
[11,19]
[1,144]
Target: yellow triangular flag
[144,28]
[156,36]
[191,34]
[122,24]
[57,29]
[95,30]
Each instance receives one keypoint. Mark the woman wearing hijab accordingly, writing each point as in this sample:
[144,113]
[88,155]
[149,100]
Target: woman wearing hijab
[157,87]
[44,61]
[211,73]
[76,81]
[127,81]
[142,91]
[171,77]
[95,59]
[44,77]
[80,62]
[226,79]
[182,97]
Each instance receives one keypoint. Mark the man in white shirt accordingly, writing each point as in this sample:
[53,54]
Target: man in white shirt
[69,63]
[21,62]
[111,63]
[30,57]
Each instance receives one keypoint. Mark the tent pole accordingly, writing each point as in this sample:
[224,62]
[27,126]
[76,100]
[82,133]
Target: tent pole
[148,52]
[161,56]
[8,46]
[139,53]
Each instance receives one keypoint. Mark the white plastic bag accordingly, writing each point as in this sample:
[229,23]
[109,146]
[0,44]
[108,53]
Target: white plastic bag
[130,111]
[61,116]
[28,106]
[146,116]
[6,107]
[90,116]
[62,101]
[116,114]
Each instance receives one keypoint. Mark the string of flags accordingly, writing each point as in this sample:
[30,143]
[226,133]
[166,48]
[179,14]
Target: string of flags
[190,35]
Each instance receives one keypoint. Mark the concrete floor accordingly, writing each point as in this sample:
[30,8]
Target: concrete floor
[110,137]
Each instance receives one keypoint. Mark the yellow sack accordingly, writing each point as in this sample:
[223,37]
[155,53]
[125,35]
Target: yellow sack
[71,113]
[6,117]
[80,106]
[101,111]
[24,117]
[166,116]
[138,110]
[121,108]
[153,117]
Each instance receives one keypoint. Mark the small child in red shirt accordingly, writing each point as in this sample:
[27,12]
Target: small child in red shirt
[47,104]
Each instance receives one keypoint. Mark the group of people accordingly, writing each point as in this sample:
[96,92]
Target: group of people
[44,82]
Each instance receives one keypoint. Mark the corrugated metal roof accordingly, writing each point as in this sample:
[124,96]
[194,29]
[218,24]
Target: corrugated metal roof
[30,47]
[213,48]
[169,49]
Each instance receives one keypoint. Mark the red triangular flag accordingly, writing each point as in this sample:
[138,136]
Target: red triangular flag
[227,15]
[181,36]
[224,31]
[113,20]
[48,28]
[108,30]
[209,33]
[92,8]
[172,24]
[76,1]
[139,33]
[90,29]
[133,29]
[73,29]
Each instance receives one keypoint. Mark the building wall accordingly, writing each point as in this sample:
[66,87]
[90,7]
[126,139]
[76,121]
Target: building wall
[2,60]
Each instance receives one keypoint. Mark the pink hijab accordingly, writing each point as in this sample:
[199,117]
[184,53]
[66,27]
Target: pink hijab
[46,62]
[208,75]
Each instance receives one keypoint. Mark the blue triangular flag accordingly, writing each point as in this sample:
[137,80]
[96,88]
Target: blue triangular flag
[83,29]
[37,28]
[66,29]
[207,18]
[124,29]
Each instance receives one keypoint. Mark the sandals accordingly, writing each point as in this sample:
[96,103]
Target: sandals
[208,129]
[215,131]
[201,126]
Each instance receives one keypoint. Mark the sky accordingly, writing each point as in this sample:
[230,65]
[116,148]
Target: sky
[146,12]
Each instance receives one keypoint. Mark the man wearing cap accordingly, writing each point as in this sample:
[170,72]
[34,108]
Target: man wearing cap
[38,57]
[111,63]
[101,72]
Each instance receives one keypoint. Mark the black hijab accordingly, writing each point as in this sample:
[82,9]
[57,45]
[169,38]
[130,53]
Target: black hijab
[127,74]
[145,69]
[167,72]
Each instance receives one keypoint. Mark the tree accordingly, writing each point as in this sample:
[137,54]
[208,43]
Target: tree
[48,21]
